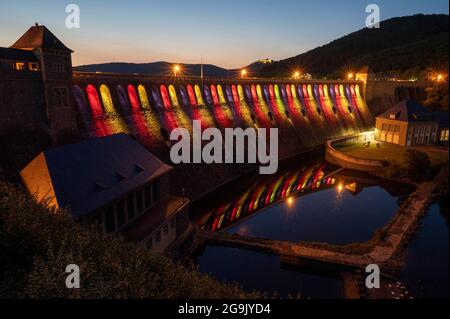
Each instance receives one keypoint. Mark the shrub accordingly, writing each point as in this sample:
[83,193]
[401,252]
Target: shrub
[417,165]
[37,243]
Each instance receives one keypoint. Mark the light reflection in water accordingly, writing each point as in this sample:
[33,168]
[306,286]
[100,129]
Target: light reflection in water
[266,192]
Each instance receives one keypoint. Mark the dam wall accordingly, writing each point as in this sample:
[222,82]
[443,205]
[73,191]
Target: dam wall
[382,95]
[306,113]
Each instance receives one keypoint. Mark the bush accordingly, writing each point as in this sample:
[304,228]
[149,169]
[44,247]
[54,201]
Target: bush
[37,243]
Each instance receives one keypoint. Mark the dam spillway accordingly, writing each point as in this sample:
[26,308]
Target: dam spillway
[307,113]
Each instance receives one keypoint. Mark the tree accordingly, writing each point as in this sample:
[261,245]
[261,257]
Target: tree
[437,97]
[37,243]
[417,165]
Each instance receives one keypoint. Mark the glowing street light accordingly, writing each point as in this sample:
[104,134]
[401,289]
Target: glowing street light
[439,77]
[176,70]
[296,75]
[243,73]
[350,75]
[290,201]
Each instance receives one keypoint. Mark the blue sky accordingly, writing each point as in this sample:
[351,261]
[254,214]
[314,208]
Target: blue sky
[229,33]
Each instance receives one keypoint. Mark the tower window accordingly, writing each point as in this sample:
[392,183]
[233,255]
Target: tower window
[20,66]
[61,97]
[59,67]
[33,67]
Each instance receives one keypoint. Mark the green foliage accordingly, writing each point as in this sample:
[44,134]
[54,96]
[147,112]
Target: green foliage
[417,165]
[37,243]
[437,97]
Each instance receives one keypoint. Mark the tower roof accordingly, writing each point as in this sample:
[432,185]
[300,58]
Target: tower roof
[39,36]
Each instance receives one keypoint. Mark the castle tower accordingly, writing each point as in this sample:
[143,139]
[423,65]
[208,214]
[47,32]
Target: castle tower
[56,69]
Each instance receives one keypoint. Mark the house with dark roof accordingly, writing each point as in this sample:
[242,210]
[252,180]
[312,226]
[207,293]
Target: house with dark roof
[408,123]
[114,182]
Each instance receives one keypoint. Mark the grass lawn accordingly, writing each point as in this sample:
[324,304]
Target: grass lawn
[391,152]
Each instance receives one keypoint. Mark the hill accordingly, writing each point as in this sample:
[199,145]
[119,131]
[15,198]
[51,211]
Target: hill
[404,46]
[155,68]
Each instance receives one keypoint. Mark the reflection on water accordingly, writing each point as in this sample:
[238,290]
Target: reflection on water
[257,271]
[426,270]
[331,215]
[306,201]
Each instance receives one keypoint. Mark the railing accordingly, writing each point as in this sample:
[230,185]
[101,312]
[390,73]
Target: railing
[139,76]
[337,157]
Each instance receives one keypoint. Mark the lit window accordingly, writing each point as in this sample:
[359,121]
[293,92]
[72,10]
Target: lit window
[33,67]
[20,66]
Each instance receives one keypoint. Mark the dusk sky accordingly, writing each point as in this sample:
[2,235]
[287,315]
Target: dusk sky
[229,33]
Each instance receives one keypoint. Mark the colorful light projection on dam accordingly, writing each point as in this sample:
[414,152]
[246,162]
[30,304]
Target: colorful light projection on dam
[283,186]
[312,112]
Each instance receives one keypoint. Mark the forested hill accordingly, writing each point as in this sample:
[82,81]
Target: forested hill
[402,46]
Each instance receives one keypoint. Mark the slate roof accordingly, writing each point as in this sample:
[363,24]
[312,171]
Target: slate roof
[409,111]
[39,36]
[442,118]
[88,175]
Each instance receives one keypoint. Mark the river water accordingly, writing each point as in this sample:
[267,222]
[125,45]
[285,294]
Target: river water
[335,207]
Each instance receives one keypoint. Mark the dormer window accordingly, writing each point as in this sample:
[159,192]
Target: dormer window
[19,66]
[393,116]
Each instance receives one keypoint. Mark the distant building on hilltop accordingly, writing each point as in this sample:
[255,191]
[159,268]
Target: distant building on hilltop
[114,182]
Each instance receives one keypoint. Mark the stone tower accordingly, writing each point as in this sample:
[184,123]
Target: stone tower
[56,69]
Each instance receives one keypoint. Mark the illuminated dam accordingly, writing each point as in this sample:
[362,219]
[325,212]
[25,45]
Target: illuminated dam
[307,113]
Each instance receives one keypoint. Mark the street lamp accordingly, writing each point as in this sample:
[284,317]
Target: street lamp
[296,75]
[176,70]
[350,75]
[440,77]
[243,73]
